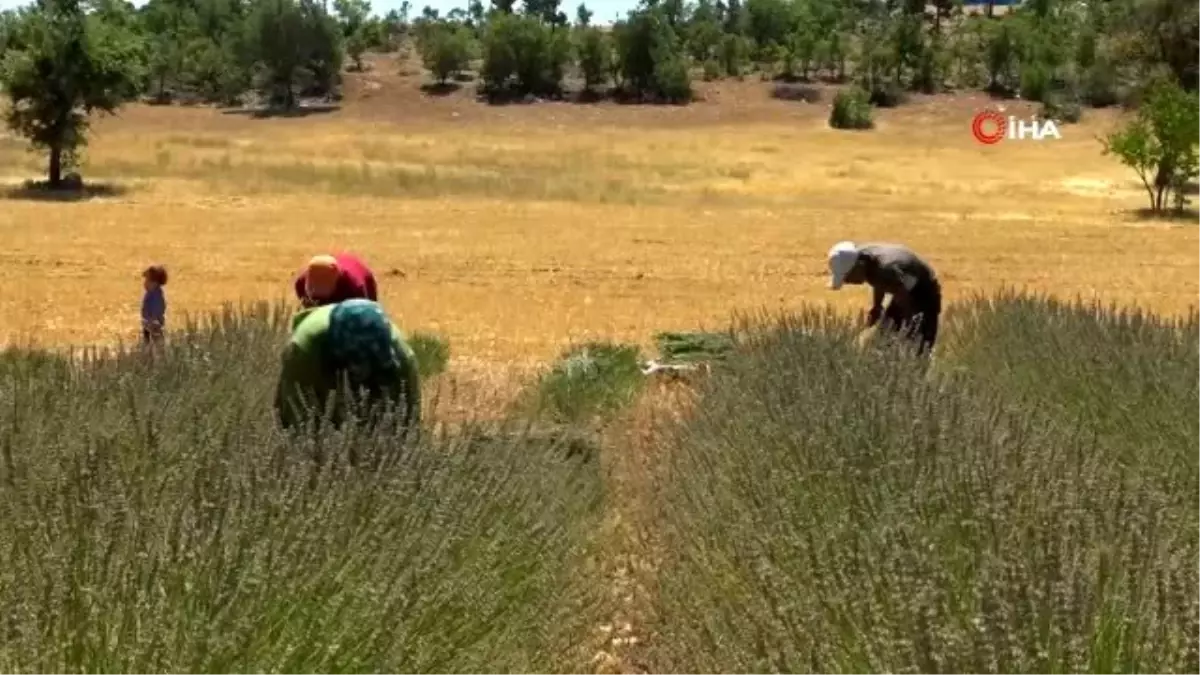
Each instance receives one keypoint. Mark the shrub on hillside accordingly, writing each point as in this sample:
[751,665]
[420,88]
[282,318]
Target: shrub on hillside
[851,110]
[156,519]
[821,509]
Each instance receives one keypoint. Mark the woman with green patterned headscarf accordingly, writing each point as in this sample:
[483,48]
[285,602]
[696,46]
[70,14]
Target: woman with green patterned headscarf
[352,352]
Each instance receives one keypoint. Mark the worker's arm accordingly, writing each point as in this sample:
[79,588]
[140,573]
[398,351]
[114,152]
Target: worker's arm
[299,380]
[876,311]
[372,289]
[410,379]
[301,291]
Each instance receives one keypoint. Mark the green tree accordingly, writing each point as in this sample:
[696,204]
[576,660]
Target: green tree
[446,50]
[168,26]
[703,31]
[356,47]
[652,59]
[524,55]
[295,45]
[1001,56]
[66,67]
[733,54]
[476,14]
[770,23]
[1160,144]
[353,16]
[583,16]
[594,56]
[8,29]
[1162,33]
[195,48]
[216,70]
[546,10]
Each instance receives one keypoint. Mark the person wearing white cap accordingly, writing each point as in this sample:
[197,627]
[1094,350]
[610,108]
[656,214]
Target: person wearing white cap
[892,269]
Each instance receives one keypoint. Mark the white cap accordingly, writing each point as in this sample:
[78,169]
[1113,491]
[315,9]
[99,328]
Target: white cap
[842,258]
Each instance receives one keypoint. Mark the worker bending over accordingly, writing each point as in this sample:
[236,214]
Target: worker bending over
[352,351]
[333,278]
[916,303]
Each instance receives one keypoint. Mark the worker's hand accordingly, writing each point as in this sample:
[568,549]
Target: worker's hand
[873,315]
[865,338]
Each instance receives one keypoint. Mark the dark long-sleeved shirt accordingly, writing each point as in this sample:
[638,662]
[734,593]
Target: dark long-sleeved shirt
[896,270]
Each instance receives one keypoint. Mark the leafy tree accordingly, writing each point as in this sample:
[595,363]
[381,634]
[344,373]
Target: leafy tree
[652,59]
[770,23]
[476,14]
[523,55]
[1002,51]
[1162,33]
[216,70]
[8,29]
[168,26]
[446,50]
[546,10]
[295,45]
[195,48]
[595,56]
[735,53]
[583,16]
[1160,144]
[353,16]
[703,31]
[736,19]
[66,66]
[356,46]
[943,10]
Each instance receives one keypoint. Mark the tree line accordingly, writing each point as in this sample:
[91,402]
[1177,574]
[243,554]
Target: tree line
[64,59]
[1094,53]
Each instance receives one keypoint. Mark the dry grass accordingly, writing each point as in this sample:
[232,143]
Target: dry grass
[515,230]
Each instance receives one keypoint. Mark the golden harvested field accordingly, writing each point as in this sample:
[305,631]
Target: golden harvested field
[515,230]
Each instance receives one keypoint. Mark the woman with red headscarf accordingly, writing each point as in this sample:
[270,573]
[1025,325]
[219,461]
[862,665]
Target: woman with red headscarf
[330,279]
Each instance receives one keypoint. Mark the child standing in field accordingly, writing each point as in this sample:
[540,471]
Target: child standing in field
[154,304]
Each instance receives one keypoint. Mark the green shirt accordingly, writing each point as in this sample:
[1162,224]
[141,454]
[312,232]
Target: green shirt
[307,378]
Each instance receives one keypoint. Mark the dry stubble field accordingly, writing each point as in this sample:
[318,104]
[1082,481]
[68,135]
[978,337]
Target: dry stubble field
[516,230]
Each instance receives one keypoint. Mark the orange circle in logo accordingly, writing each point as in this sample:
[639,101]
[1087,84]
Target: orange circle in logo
[999,124]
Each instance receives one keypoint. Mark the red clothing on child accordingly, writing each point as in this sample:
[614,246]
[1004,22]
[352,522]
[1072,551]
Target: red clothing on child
[355,280]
